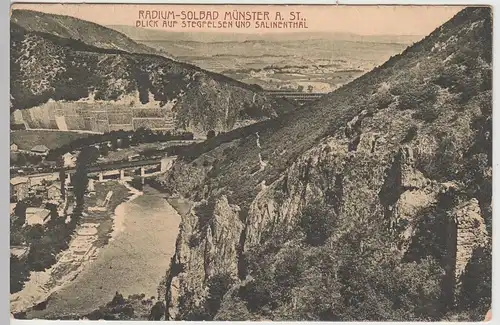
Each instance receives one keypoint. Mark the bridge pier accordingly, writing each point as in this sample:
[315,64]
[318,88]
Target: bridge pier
[143,171]
[68,178]
[101,177]
[122,174]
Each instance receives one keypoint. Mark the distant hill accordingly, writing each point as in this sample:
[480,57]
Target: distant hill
[145,34]
[69,83]
[77,29]
[373,203]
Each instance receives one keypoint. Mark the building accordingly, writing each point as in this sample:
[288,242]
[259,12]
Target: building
[20,252]
[54,192]
[12,208]
[91,186]
[134,157]
[19,188]
[37,190]
[69,160]
[43,179]
[40,150]
[13,146]
[37,216]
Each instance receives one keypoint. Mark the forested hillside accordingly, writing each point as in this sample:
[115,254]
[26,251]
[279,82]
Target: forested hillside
[67,81]
[373,203]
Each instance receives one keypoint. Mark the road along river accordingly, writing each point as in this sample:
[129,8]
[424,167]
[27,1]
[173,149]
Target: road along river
[134,261]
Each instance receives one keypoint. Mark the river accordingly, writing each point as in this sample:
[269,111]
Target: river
[134,262]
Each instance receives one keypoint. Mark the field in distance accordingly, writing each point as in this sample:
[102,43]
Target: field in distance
[314,62]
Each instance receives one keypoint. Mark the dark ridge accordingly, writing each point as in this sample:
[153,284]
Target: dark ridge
[78,45]
[18,14]
[74,44]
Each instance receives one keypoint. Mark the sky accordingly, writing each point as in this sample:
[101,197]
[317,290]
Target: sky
[362,20]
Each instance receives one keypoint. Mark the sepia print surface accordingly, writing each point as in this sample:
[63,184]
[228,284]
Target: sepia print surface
[226,162]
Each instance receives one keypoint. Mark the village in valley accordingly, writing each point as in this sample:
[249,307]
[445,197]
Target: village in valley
[63,201]
[41,191]
[41,200]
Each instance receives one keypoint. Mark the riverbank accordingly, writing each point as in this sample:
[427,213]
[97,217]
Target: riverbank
[133,262]
[94,232]
[119,217]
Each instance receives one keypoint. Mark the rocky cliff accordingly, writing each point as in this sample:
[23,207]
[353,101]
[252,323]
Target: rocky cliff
[66,83]
[368,205]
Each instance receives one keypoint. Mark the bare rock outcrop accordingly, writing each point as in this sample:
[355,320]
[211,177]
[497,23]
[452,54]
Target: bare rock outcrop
[470,233]
[222,239]
[207,245]
[313,176]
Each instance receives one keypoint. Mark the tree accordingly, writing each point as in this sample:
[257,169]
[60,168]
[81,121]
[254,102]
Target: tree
[114,142]
[310,88]
[16,235]
[355,277]
[300,88]
[53,210]
[210,134]
[20,212]
[387,289]
[104,150]
[288,273]
[117,300]
[62,175]
[189,309]
[34,233]
[317,222]
[476,282]
[218,285]
[157,311]
[19,274]
[33,159]
[125,143]
[137,183]
[138,135]
[80,180]
[40,256]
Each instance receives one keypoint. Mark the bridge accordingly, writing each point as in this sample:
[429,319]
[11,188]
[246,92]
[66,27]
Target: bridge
[114,170]
[296,96]
[122,169]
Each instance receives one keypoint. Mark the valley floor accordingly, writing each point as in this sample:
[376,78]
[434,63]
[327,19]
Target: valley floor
[134,261]
[96,229]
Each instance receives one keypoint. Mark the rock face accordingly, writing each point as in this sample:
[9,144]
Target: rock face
[470,234]
[318,174]
[207,245]
[66,83]
[397,149]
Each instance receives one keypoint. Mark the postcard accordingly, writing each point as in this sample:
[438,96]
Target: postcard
[250,162]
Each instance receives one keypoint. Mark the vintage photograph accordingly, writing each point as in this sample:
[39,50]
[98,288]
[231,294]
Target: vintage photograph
[250,162]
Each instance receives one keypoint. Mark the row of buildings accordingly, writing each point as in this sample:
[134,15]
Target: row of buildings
[22,187]
[38,191]
[39,150]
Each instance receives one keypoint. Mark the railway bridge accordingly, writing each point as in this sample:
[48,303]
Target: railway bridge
[120,170]
[114,170]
